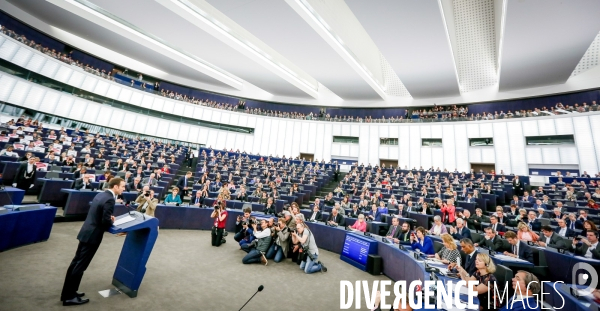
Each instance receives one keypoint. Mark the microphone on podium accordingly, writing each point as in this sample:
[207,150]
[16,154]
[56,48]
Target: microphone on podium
[260,288]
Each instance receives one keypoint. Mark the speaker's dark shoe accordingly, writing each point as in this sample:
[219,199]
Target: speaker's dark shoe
[75,301]
[79,294]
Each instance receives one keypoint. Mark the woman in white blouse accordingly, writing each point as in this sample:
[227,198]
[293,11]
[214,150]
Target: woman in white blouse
[438,227]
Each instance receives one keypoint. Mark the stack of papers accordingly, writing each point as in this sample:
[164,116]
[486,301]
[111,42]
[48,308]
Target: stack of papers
[123,220]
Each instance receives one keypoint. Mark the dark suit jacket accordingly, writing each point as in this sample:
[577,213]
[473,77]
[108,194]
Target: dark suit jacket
[79,185]
[181,183]
[495,244]
[98,218]
[499,227]
[403,214]
[582,248]
[21,173]
[353,214]
[133,187]
[556,241]
[317,217]
[465,233]
[396,232]
[339,219]
[570,233]
[469,265]
[269,209]
[525,252]
[404,237]
[536,225]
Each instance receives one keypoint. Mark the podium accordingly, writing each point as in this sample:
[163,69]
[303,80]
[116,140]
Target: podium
[131,267]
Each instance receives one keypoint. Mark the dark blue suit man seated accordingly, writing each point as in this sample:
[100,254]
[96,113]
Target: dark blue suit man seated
[460,231]
[520,249]
[374,214]
[468,255]
[533,222]
[563,230]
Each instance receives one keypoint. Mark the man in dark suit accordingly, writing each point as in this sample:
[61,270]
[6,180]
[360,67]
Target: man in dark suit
[83,183]
[404,234]
[401,212]
[532,221]
[528,198]
[184,183]
[394,230]
[98,220]
[495,225]
[460,231]
[551,239]
[25,175]
[519,249]
[492,240]
[588,247]
[468,260]
[563,230]
[583,216]
[374,214]
[136,185]
[517,186]
[335,219]
[316,215]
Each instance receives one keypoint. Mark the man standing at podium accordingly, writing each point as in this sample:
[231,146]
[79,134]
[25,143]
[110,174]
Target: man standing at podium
[99,219]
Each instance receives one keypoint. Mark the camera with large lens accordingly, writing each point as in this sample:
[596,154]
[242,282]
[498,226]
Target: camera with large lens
[147,193]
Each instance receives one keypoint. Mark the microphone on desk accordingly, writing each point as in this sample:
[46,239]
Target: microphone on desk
[260,288]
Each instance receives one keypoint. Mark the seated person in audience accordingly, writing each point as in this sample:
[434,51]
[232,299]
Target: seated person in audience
[360,224]
[449,253]
[528,198]
[339,208]
[374,214]
[557,214]
[354,212]
[421,242]
[404,235]
[514,211]
[328,200]
[382,208]
[476,219]
[173,197]
[89,163]
[538,204]
[551,239]
[449,211]
[263,198]
[546,201]
[486,281]
[394,230]
[587,247]
[438,227]
[563,230]
[466,245]
[516,201]
[280,247]
[150,180]
[105,166]
[519,249]
[197,199]
[136,185]
[524,233]
[335,219]
[500,215]
[299,217]
[140,173]
[583,216]
[542,213]
[494,224]
[526,286]
[257,192]
[241,194]
[69,161]
[86,149]
[146,203]
[592,204]
[401,212]
[165,169]
[104,176]
[588,225]
[424,209]
[270,207]
[532,221]
[52,160]
[316,214]
[460,231]
[128,177]
[83,183]
[492,240]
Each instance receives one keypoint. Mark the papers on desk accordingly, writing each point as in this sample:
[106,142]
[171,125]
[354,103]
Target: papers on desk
[508,258]
[123,220]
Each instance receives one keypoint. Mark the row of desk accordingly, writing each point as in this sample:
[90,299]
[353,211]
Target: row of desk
[25,227]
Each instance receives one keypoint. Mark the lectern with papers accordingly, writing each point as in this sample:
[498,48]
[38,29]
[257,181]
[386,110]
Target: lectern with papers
[142,231]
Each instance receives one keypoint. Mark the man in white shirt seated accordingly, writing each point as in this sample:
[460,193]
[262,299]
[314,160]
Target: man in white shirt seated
[9,152]
[588,247]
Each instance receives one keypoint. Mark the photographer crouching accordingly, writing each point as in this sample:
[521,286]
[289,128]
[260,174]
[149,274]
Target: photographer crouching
[220,216]
[280,247]
[259,247]
[146,202]
[306,241]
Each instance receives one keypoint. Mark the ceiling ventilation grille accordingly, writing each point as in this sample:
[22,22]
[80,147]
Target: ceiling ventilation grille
[475,43]
[590,59]
[393,85]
